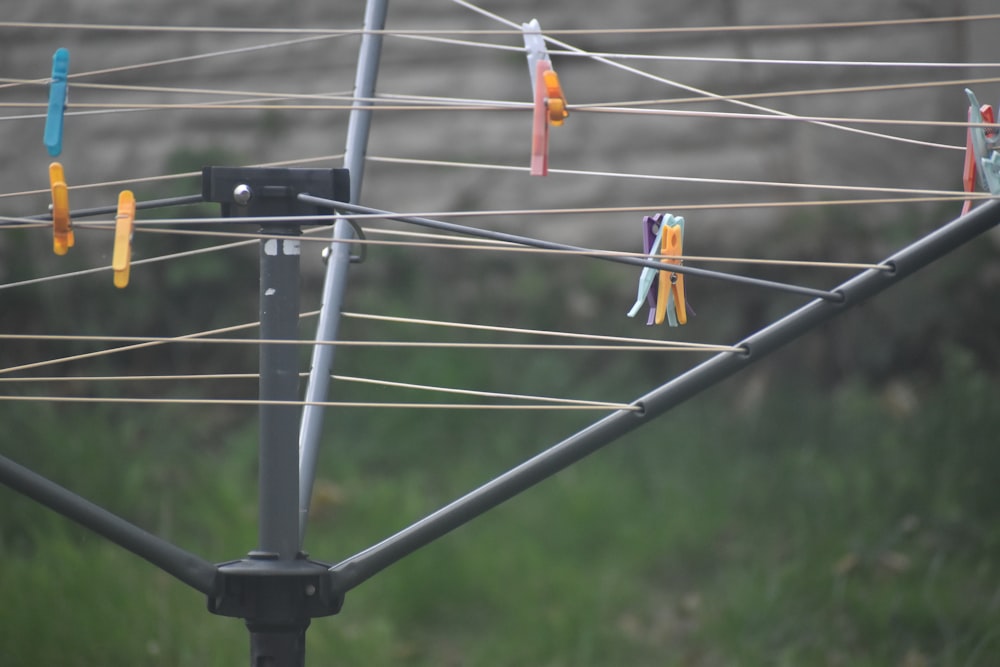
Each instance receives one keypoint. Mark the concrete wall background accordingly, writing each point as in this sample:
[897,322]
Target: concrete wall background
[122,145]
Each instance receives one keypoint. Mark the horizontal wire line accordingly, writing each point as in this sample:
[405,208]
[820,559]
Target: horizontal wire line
[132,378]
[172,61]
[167,177]
[449,243]
[484,394]
[473,105]
[50,25]
[796,118]
[342,378]
[540,243]
[691,89]
[463,244]
[137,346]
[330,404]
[482,245]
[544,247]
[104,109]
[665,346]
[134,262]
[621,55]
[533,332]
[660,177]
[794,93]
[887,64]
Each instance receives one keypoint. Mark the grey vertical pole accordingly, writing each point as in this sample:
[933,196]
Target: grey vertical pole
[358,129]
[279,381]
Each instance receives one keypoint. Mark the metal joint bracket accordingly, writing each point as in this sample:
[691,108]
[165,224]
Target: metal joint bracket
[271,191]
[275,594]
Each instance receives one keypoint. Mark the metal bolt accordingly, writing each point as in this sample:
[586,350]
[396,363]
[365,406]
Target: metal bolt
[310,590]
[242,194]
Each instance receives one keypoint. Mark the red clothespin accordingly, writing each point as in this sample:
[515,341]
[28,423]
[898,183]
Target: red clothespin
[121,257]
[62,226]
[969,173]
[549,100]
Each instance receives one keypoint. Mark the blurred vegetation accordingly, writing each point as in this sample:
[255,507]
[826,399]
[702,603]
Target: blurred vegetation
[836,505]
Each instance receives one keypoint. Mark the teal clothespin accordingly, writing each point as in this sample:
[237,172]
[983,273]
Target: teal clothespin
[58,93]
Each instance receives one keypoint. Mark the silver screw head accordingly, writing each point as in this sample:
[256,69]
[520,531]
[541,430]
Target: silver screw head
[242,194]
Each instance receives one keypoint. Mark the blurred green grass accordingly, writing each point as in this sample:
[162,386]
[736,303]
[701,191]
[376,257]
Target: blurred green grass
[819,528]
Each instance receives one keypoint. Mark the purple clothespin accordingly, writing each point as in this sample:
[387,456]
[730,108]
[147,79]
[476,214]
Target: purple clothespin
[648,279]
[650,227]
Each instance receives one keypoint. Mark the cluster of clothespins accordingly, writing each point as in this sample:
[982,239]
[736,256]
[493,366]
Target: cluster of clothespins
[62,225]
[982,159]
[662,290]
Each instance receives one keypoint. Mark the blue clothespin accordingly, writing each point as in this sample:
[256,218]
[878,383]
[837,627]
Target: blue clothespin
[652,234]
[982,162]
[58,94]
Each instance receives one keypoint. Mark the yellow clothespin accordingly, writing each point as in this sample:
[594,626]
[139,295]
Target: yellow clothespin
[121,257]
[555,100]
[670,303]
[62,226]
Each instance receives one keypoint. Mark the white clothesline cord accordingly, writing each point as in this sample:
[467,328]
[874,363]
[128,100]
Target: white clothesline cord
[695,90]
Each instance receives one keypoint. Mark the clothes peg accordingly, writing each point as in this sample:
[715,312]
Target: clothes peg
[981,157]
[670,294]
[549,100]
[652,231]
[58,94]
[62,227]
[121,257]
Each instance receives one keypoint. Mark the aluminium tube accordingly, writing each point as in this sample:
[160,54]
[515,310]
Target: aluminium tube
[335,281]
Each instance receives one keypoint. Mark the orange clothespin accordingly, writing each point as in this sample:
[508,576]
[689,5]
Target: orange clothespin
[670,303]
[62,226]
[549,100]
[121,257]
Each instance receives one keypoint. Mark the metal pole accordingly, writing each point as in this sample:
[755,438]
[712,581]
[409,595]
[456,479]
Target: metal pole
[279,381]
[339,259]
[196,572]
[364,565]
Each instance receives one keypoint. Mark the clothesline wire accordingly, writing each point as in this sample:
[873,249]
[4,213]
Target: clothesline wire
[592,253]
[796,93]
[202,340]
[441,225]
[518,168]
[571,50]
[168,177]
[525,106]
[332,404]
[341,378]
[681,179]
[129,348]
[460,31]
[621,55]
[443,241]
[633,344]
[347,97]
[683,86]
[169,61]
